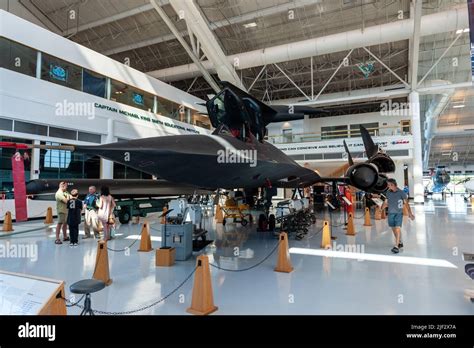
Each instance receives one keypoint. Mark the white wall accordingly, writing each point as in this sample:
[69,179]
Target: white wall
[314,125]
[30,99]
[29,34]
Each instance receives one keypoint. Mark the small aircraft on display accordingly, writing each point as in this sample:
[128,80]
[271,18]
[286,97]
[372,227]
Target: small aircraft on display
[469,185]
[235,155]
[439,180]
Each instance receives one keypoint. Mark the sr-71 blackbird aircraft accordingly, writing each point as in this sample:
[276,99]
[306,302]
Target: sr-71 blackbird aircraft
[236,155]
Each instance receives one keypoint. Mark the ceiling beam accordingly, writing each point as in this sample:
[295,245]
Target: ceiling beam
[185,45]
[436,23]
[198,25]
[106,20]
[216,25]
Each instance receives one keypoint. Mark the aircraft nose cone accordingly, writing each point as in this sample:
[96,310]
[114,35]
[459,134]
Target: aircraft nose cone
[33,187]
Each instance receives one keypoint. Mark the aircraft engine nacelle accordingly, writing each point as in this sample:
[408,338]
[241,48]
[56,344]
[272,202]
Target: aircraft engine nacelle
[363,176]
[383,162]
[381,185]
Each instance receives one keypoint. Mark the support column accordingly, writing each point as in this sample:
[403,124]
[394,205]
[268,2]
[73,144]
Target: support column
[417,184]
[398,174]
[35,161]
[188,116]
[410,179]
[39,59]
[106,166]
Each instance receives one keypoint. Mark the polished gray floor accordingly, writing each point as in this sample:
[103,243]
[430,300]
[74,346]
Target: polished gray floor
[427,278]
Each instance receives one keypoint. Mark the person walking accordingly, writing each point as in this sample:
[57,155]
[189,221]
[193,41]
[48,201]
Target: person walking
[396,198]
[106,205]
[90,214]
[61,196]
[74,207]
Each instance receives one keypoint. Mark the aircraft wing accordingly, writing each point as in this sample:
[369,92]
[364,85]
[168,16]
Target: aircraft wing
[120,188]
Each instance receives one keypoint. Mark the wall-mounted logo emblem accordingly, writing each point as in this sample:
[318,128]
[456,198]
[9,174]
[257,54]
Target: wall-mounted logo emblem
[57,72]
[138,99]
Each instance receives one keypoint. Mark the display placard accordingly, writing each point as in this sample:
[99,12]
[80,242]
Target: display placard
[22,294]
[377,201]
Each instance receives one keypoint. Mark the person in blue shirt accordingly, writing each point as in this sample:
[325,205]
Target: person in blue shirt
[91,220]
[396,198]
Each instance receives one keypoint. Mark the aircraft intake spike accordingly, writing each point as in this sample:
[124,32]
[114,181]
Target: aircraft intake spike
[383,163]
[381,185]
[363,176]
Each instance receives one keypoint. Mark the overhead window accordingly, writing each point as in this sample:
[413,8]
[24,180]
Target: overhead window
[30,128]
[17,57]
[61,72]
[372,127]
[333,132]
[93,83]
[129,95]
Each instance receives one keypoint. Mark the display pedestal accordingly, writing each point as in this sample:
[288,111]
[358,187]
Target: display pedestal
[165,257]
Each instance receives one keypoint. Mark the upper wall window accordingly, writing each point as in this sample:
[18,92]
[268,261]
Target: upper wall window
[126,94]
[371,127]
[167,108]
[93,83]
[61,72]
[17,57]
[333,132]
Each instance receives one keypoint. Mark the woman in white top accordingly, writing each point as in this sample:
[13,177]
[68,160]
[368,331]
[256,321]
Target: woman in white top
[106,205]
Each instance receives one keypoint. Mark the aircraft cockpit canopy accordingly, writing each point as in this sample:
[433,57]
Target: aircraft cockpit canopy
[240,115]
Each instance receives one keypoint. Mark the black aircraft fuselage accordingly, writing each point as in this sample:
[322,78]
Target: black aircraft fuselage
[207,161]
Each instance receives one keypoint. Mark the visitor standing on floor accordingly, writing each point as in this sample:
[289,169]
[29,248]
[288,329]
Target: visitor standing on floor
[91,221]
[396,198]
[106,205]
[74,207]
[61,196]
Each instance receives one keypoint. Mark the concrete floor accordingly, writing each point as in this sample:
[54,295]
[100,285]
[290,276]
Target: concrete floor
[431,279]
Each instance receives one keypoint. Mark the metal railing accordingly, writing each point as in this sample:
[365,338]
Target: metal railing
[338,134]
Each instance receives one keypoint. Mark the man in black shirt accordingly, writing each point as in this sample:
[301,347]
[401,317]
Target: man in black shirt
[74,207]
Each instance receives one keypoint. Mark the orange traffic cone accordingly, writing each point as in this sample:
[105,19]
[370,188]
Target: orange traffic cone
[101,270]
[378,213]
[163,217]
[7,222]
[326,238]
[283,261]
[49,216]
[219,217]
[350,226]
[145,241]
[203,300]
[367,218]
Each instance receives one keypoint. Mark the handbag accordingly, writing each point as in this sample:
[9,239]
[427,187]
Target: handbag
[111,220]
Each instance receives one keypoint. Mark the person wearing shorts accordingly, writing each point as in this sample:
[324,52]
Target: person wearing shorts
[396,198]
[62,196]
